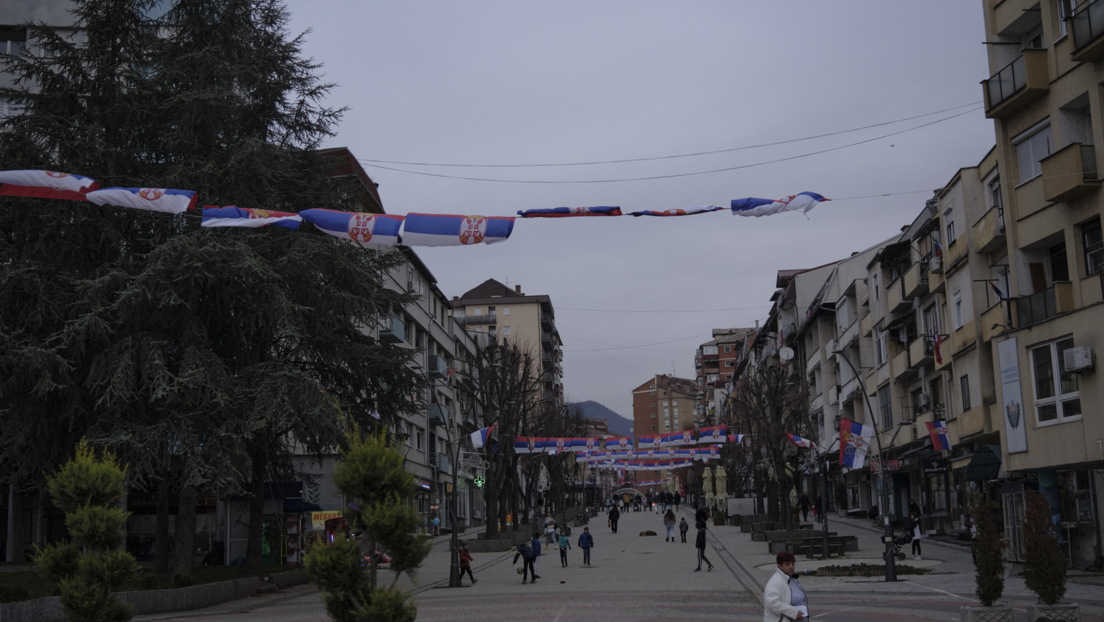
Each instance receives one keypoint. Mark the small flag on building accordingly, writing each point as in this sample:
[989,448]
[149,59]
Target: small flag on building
[479,438]
[804,443]
[938,432]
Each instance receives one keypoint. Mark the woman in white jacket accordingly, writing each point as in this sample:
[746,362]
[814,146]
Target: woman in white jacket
[783,594]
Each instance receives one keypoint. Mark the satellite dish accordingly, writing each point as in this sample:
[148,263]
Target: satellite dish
[786,354]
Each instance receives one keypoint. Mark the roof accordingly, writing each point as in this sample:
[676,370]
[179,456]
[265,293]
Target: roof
[346,164]
[493,292]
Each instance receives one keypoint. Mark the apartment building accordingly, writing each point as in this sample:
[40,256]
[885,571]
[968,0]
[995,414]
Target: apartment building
[715,362]
[508,315]
[662,404]
[1044,96]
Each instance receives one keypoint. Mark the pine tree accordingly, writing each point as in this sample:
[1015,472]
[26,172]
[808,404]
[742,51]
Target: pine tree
[988,553]
[371,474]
[91,567]
[1044,567]
[214,350]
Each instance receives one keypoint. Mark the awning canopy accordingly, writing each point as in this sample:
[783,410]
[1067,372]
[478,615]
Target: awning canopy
[985,465]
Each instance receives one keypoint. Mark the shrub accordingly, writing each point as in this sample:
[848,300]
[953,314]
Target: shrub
[1044,565]
[182,580]
[988,553]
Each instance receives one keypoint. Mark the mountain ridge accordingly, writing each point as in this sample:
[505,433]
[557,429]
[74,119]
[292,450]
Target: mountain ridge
[616,423]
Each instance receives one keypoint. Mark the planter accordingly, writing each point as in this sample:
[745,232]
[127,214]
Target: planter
[998,613]
[718,519]
[1056,613]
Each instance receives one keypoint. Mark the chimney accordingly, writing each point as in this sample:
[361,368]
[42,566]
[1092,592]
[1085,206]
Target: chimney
[517,288]
[456,298]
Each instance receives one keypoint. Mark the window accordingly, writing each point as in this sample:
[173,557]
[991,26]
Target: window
[881,345]
[13,42]
[728,348]
[1094,246]
[505,330]
[996,201]
[1055,401]
[653,415]
[876,279]
[505,310]
[886,407]
[1064,13]
[666,412]
[419,438]
[666,425]
[919,404]
[1031,147]
[936,392]
[477,312]
[964,390]
[948,217]
[1059,266]
[653,427]
[957,306]
[653,393]
[666,402]
[653,404]
[843,315]
[931,319]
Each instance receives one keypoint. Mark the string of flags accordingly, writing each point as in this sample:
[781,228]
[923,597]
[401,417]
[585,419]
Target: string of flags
[415,229]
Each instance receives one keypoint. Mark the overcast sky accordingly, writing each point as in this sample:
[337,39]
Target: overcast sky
[565,82]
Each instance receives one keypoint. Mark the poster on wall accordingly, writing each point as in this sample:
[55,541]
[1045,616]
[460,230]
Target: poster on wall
[1015,424]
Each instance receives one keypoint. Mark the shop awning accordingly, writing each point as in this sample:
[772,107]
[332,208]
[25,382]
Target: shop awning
[985,465]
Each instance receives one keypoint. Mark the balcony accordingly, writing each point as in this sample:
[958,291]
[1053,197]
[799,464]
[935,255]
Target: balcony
[849,335]
[476,320]
[851,390]
[392,330]
[1023,81]
[995,320]
[920,352]
[989,231]
[916,279]
[972,421]
[1009,15]
[895,297]
[960,338]
[871,384]
[442,463]
[437,415]
[1044,305]
[437,366]
[919,425]
[867,324]
[900,364]
[1069,173]
[1087,26]
[546,340]
[814,359]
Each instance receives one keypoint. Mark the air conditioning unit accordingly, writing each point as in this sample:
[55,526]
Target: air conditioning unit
[1078,359]
[935,266]
[924,401]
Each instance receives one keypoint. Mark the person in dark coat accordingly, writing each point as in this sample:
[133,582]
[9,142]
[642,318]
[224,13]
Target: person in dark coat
[678,500]
[818,507]
[669,498]
[683,528]
[914,509]
[614,515]
[701,515]
[586,542]
[804,503]
[465,563]
[699,543]
[527,557]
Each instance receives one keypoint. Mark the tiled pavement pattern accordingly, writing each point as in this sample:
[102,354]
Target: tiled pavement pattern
[644,578]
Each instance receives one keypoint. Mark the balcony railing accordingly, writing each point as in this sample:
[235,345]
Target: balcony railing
[1021,82]
[392,330]
[476,320]
[1070,173]
[989,231]
[437,415]
[437,366]
[1036,308]
[1087,26]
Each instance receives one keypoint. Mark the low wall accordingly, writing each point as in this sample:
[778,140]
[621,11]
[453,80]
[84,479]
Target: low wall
[147,601]
[284,580]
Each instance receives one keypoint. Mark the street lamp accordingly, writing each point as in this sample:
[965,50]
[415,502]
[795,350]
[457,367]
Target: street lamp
[824,506]
[891,568]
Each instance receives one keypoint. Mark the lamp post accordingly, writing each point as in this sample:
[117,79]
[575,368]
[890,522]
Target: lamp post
[891,568]
[824,507]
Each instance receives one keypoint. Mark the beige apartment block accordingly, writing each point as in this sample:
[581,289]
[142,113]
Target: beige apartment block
[1044,96]
[715,362]
[663,404]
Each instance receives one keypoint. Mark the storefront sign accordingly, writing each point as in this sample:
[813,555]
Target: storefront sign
[1015,428]
[936,466]
[318,519]
[891,465]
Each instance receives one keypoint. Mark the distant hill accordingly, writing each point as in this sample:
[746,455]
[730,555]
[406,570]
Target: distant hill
[593,410]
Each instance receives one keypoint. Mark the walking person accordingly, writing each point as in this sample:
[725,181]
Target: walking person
[683,528]
[678,500]
[669,523]
[536,544]
[783,596]
[915,509]
[526,554]
[669,499]
[917,533]
[818,509]
[586,542]
[804,503]
[700,544]
[465,563]
[614,515]
[550,533]
[565,544]
[701,515]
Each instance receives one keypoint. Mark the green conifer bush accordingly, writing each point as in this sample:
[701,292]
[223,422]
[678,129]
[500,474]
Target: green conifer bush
[1044,568]
[988,553]
[90,567]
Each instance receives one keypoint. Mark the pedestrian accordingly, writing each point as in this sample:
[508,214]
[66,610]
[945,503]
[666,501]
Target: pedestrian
[525,552]
[609,504]
[550,533]
[683,528]
[700,544]
[917,533]
[701,515]
[783,597]
[586,542]
[536,544]
[648,500]
[914,509]
[436,526]
[565,544]
[818,509]
[804,503]
[669,523]
[614,515]
[465,563]
[678,500]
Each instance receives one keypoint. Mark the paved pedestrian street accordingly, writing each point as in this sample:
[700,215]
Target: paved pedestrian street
[645,578]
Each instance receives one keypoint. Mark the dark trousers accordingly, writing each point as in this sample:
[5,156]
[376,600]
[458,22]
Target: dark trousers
[563,556]
[804,514]
[683,536]
[528,570]
[703,558]
[466,569]
[613,526]
[916,547]
[586,556]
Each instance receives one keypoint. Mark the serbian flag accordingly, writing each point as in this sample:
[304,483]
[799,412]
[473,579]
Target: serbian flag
[765,207]
[687,211]
[736,438]
[557,445]
[854,443]
[804,443]
[46,185]
[569,212]
[649,440]
[937,430]
[246,217]
[937,249]
[713,434]
[618,442]
[529,445]
[1000,294]
[451,230]
[380,229]
[937,339]
[585,444]
[479,438]
[164,200]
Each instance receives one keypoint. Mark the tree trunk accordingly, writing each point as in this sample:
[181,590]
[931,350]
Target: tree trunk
[185,528]
[256,510]
[161,531]
[490,500]
[38,538]
[19,526]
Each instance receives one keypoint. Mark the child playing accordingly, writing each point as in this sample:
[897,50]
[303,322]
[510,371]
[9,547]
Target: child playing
[550,534]
[565,545]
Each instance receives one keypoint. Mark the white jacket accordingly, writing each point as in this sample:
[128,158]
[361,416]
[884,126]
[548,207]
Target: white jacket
[776,599]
